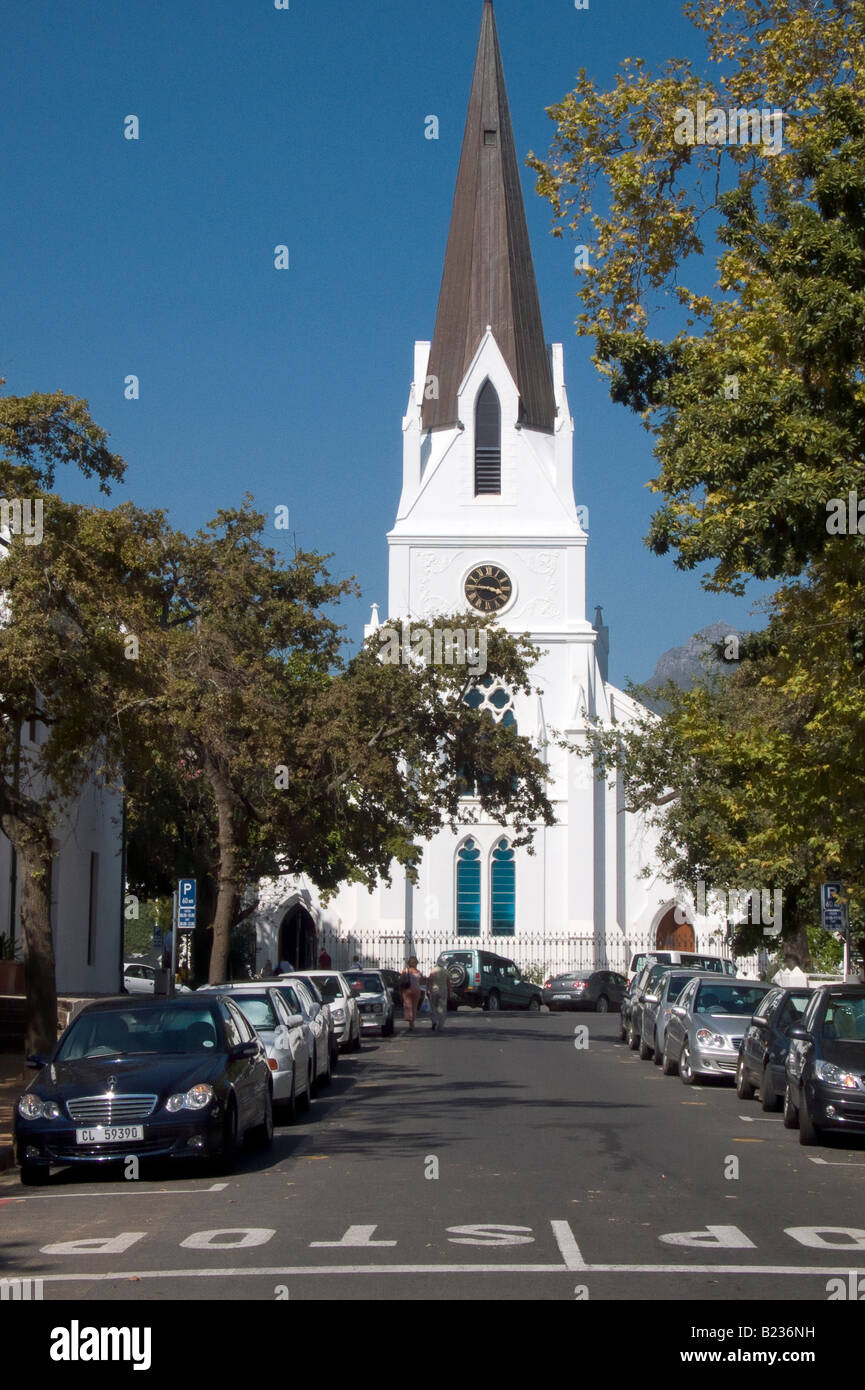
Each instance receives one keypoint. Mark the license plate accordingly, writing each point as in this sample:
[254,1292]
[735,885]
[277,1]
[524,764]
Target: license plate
[109,1134]
[561,996]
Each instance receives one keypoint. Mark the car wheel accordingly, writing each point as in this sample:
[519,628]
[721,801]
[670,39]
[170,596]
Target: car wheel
[668,1066]
[769,1097]
[291,1104]
[262,1136]
[304,1101]
[227,1156]
[623,1031]
[791,1112]
[355,1047]
[603,1005]
[387,1030]
[645,1049]
[452,1006]
[657,1052]
[686,1071]
[744,1089]
[34,1175]
[809,1134]
[534,1003]
[326,1079]
[493,1003]
[633,1037]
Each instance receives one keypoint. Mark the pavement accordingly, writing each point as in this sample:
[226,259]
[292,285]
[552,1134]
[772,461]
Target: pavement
[500,1159]
[14,1076]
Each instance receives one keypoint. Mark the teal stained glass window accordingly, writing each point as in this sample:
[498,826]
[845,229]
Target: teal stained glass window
[503,890]
[468,889]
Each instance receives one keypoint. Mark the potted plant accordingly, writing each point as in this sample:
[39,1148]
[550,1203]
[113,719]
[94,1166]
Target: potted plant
[11,969]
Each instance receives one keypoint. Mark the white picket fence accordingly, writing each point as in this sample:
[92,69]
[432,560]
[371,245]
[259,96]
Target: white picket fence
[535,952]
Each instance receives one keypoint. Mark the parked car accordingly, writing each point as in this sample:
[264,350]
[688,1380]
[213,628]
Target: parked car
[655,1009]
[138,978]
[307,977]
[763,1052]
[284,1037]
[303,999]
[150,1077]
[374,1001]
[340,999]
[689,960]
[706,1025]
[600,990]
[825,1072]
[488,981]
[632,1005]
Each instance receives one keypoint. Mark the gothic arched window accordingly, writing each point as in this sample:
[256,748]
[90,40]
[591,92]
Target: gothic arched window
[492,698]
[468,889]
[502,889]
[488,442]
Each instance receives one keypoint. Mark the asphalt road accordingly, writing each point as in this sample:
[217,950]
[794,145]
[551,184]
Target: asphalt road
[493,1161]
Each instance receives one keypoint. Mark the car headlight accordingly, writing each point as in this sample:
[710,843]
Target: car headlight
[339,1015]
[32,1107]
[827,1071]
[376,1008]
[709,1039]
[196,1098]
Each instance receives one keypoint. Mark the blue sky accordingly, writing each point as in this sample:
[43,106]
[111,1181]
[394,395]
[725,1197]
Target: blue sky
[303,127]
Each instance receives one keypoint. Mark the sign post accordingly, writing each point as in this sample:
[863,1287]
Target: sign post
[833,914]
[187,900]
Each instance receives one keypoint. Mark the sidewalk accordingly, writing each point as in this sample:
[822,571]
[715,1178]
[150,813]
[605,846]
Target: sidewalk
[14,1076]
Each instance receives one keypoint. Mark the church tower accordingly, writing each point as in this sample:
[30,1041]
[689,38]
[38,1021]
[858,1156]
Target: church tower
[487,522]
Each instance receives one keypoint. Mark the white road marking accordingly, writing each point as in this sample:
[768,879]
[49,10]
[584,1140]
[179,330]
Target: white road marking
[290,1271]
[836,1163]
[568,1248]
[355,1238]
[132,1190]
[762,1119]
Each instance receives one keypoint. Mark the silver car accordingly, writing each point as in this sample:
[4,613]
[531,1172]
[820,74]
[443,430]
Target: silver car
[374,1001]
[281,1027]
[344,1012]
[706,1025]
[657,1005]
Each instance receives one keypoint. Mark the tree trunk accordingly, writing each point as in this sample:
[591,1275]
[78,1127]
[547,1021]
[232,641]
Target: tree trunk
[40,985]
[228,893]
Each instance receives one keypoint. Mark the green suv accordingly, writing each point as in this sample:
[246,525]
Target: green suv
[487,981]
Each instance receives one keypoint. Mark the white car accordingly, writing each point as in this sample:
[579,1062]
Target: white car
[284,1034]
[316,1023]
[342,1002]
[138,979]
[374,1001]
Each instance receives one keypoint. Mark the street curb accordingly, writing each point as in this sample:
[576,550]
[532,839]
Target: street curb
[7,1157]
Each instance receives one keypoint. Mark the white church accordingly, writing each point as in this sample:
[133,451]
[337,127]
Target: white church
[487,523]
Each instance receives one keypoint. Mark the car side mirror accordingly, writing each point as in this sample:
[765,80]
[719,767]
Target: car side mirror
[36,1061]
[650,998]
[245,1049]
[799,1033]
[295,1020]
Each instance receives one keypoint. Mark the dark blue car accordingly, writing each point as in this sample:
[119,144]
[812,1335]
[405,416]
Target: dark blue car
[763,1050]
[151,1077]
[826,1065]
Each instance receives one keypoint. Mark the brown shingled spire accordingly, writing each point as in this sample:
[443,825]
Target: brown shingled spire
[488,274]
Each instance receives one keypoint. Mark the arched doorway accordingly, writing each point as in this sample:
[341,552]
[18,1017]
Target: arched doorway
[297,938]
[672,935]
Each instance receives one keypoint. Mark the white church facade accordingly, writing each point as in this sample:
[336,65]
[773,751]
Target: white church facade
[487,523]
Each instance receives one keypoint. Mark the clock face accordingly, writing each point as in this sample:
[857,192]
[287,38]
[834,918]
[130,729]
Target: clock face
[488,588]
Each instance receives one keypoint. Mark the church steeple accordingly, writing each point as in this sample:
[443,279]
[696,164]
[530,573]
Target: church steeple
[489,278]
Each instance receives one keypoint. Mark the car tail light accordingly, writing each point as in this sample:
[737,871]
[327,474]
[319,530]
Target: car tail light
[548,984]
[477,977]
[578,984]
[273,1064]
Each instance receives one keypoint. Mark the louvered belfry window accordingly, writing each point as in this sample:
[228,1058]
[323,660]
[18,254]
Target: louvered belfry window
[488,442]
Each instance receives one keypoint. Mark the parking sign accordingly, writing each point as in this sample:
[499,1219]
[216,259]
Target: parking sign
[831,908]
[186,901]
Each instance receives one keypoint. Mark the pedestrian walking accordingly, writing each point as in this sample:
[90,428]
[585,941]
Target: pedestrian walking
[439,986]
[410,982]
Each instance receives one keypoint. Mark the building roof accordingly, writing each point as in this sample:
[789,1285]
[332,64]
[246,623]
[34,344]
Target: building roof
[489,278]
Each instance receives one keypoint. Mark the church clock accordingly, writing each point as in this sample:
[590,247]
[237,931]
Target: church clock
[488,588]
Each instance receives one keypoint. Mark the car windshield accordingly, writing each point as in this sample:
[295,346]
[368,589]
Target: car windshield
[137,1032]
[463,957]
[364,981]
[328,987]
[257,1009]
[845,1020]
[676,985]
[727,999]
[709,963]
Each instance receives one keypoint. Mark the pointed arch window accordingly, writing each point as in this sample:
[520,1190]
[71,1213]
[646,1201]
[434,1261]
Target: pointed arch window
[468,889]
[488,442]
[502,889]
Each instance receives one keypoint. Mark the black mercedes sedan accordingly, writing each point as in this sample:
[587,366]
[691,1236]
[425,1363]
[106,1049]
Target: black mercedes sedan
[151,1077]
[825,1087]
